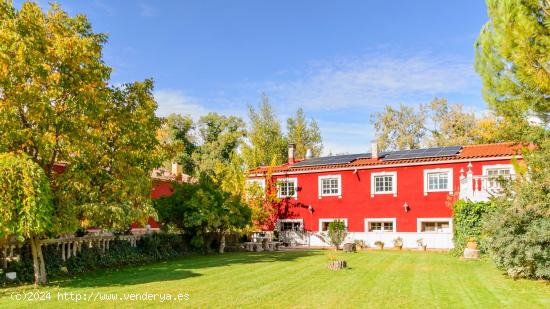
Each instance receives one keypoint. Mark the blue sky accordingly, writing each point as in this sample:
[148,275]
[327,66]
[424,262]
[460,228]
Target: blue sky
[339,60]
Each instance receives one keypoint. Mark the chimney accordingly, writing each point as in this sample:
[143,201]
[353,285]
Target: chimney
[374,151]
[309,154]
[291,152]
[176,168]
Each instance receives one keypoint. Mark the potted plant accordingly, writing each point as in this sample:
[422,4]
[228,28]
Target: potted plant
[421,244]
[472,243]
[360,244]
[379,244]
[398,243]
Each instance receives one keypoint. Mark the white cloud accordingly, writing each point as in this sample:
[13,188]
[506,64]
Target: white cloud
[376,79]
[174,101]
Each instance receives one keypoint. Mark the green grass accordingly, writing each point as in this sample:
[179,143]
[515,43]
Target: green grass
[301,280]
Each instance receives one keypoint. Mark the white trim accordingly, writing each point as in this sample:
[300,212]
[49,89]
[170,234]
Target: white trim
[369,167]
[320,185]
[394,183]
[450,175]
[369,220]
[293,180]
[279,221]
[498,166]
[321,221]
[420,220]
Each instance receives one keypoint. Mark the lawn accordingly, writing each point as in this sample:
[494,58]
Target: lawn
[300,279]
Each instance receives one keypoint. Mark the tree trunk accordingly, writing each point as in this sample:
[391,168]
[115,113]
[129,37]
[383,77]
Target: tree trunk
[35,265]
[222,242]
[43,276]
[37,262]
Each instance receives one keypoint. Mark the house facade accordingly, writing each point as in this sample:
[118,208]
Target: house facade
[384,195]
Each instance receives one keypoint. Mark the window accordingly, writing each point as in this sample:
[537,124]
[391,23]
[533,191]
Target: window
[438,180]
[380,225]
[323,223]
[495,174]
[291,226]
[287,187]
[434,225]
[330,185]
[384,183]
[442,226]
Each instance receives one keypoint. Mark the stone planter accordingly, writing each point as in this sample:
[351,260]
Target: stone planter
[350,247]
[471,254]
[336,265]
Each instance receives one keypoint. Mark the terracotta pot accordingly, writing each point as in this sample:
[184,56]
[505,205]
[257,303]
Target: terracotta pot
[471,245]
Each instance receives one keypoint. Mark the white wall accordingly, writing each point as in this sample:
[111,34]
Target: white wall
[432,240]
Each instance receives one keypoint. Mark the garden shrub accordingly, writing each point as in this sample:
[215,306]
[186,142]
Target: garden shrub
[468,219]
[150,248]
[337,232]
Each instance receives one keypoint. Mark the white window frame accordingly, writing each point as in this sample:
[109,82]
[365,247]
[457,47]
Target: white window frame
[373,185]
[320,185]
[450,175]
[293,180]
[369,220]
[323,220]
[420,220]
[486,168]
[280,221]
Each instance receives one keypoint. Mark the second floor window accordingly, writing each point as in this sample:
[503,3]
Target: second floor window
[438,181]
[330,185]
[383,184]
[287,187]
[495,174]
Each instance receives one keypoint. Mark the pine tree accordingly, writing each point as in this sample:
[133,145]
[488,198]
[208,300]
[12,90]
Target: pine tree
[513,60]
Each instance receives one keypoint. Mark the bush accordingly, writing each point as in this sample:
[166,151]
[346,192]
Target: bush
[520,243]
[468,224]
[151,248]
[337,232]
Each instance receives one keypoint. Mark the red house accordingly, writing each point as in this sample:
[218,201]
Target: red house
[384,195]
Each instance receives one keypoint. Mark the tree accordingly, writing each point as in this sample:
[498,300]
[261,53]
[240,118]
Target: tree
[518,231]
[177,139]
[26,205]
[203,208]
[56,106]
[306,135]
[513,60]
[451,125]
[266,143]
[337,233]
[401,128]
[221,137]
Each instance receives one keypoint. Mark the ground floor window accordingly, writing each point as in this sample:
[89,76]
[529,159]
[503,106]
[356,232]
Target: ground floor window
[290,226]
[385,226]
[435,226]
[323,224]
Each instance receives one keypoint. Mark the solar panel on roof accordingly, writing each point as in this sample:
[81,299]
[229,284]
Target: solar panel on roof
[423,153]
[341,159]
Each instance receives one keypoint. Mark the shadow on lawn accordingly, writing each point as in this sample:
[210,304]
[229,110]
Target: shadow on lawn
[176,269]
